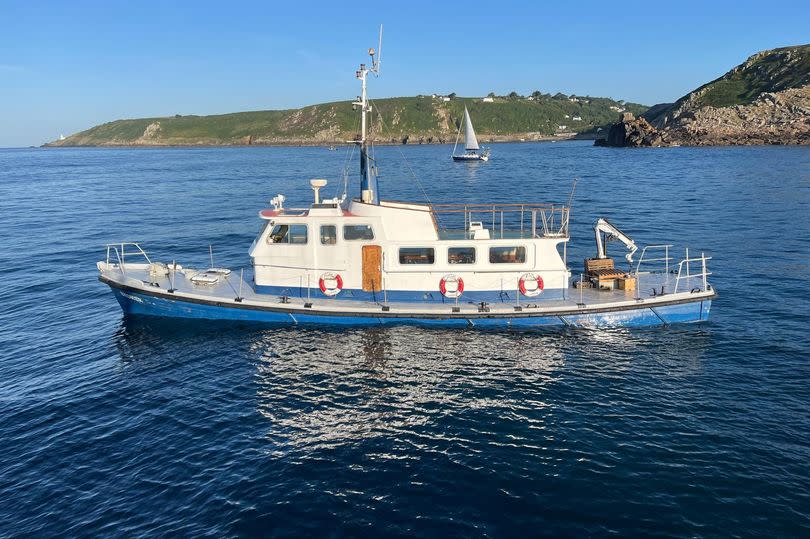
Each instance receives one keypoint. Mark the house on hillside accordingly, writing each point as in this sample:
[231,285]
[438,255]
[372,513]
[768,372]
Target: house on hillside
[488,100]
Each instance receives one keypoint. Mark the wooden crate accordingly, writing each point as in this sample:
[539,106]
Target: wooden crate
[627,283]
[595,264]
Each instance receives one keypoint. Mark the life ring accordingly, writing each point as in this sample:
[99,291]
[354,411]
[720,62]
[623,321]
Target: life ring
[533,289]
[451,286]
[331,284]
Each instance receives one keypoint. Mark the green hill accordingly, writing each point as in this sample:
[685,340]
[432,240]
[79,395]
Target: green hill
[772,70]
[394,120]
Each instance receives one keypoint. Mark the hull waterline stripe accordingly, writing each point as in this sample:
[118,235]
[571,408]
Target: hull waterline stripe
[435,316]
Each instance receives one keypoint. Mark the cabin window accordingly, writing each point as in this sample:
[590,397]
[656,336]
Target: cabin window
[507,255]
[278,234]
[298,234]
[461,255]
[358,232]
[295,234]
[328,234]
[416,255]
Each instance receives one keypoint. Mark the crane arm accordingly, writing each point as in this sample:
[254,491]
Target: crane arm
[603,226]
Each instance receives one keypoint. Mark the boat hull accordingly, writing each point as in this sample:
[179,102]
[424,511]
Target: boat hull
[470,158]
[162,304]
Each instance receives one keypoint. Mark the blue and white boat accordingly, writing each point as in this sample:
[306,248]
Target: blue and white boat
[370,261]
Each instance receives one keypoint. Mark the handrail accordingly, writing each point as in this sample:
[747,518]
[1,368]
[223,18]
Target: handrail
[666,258]
[704,273]
[496,205]
[121,255]
[504,218]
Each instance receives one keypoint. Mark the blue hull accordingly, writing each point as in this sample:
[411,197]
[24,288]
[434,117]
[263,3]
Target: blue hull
[134,302]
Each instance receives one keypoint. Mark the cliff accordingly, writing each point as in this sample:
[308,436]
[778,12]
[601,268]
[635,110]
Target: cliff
[764,100]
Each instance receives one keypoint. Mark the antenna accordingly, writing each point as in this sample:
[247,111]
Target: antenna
[375,62]
[368,182]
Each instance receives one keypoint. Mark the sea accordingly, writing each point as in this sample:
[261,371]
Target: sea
[145,427]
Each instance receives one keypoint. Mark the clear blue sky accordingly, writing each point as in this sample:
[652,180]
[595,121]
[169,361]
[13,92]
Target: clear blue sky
[66,66]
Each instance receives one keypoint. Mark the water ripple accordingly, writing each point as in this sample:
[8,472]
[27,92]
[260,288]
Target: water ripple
[138,427]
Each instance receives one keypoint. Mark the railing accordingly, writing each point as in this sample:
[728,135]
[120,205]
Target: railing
[120,255]
[665,259]
[703,275]
[684,272]
[506,220]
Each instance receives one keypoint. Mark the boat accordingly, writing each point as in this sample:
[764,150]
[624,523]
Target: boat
[471,148]
[368,261]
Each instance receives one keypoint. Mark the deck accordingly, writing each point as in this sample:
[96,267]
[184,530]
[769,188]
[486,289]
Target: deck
[237,292]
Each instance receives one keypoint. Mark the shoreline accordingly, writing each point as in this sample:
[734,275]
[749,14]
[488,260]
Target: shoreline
[315,144]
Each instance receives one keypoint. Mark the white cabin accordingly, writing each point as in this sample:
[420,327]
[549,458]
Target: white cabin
[394,251]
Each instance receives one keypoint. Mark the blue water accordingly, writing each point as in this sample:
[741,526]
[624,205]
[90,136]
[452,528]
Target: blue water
[145,427]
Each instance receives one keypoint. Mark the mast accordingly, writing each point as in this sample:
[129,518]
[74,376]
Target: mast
[368,179]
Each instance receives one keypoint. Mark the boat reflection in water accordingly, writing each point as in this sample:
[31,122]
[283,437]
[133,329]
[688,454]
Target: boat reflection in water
[327,389]
[326,405]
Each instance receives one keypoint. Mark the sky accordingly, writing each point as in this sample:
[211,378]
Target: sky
[67,66]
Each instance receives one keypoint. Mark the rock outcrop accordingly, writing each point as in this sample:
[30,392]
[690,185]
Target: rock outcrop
[631,131]
[774,118]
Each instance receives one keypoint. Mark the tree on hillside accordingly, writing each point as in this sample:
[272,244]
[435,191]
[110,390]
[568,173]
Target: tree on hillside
[513,95]
[491,94]
[452,95]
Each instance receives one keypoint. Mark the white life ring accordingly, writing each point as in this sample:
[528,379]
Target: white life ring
[451,286]
[330,284]
[530,285]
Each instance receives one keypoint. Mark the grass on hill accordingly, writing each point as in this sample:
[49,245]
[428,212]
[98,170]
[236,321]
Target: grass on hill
[768,71]
[420,117]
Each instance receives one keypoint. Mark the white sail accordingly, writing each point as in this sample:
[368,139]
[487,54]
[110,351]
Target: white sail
[471,143]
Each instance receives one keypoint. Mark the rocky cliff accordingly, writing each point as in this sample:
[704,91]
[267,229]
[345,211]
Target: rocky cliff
[765,100]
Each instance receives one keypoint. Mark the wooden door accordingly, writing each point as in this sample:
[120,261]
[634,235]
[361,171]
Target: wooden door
[372,268]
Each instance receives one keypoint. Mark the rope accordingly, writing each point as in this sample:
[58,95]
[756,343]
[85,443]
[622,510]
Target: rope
[345,168]
[408,165]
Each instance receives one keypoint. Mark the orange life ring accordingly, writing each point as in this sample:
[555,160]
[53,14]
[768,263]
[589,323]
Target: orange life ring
[530,278]
[451,292]
[331,284]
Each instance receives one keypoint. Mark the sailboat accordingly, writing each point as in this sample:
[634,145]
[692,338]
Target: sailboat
[471,147]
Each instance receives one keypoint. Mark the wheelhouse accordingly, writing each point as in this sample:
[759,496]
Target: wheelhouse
[403,251]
